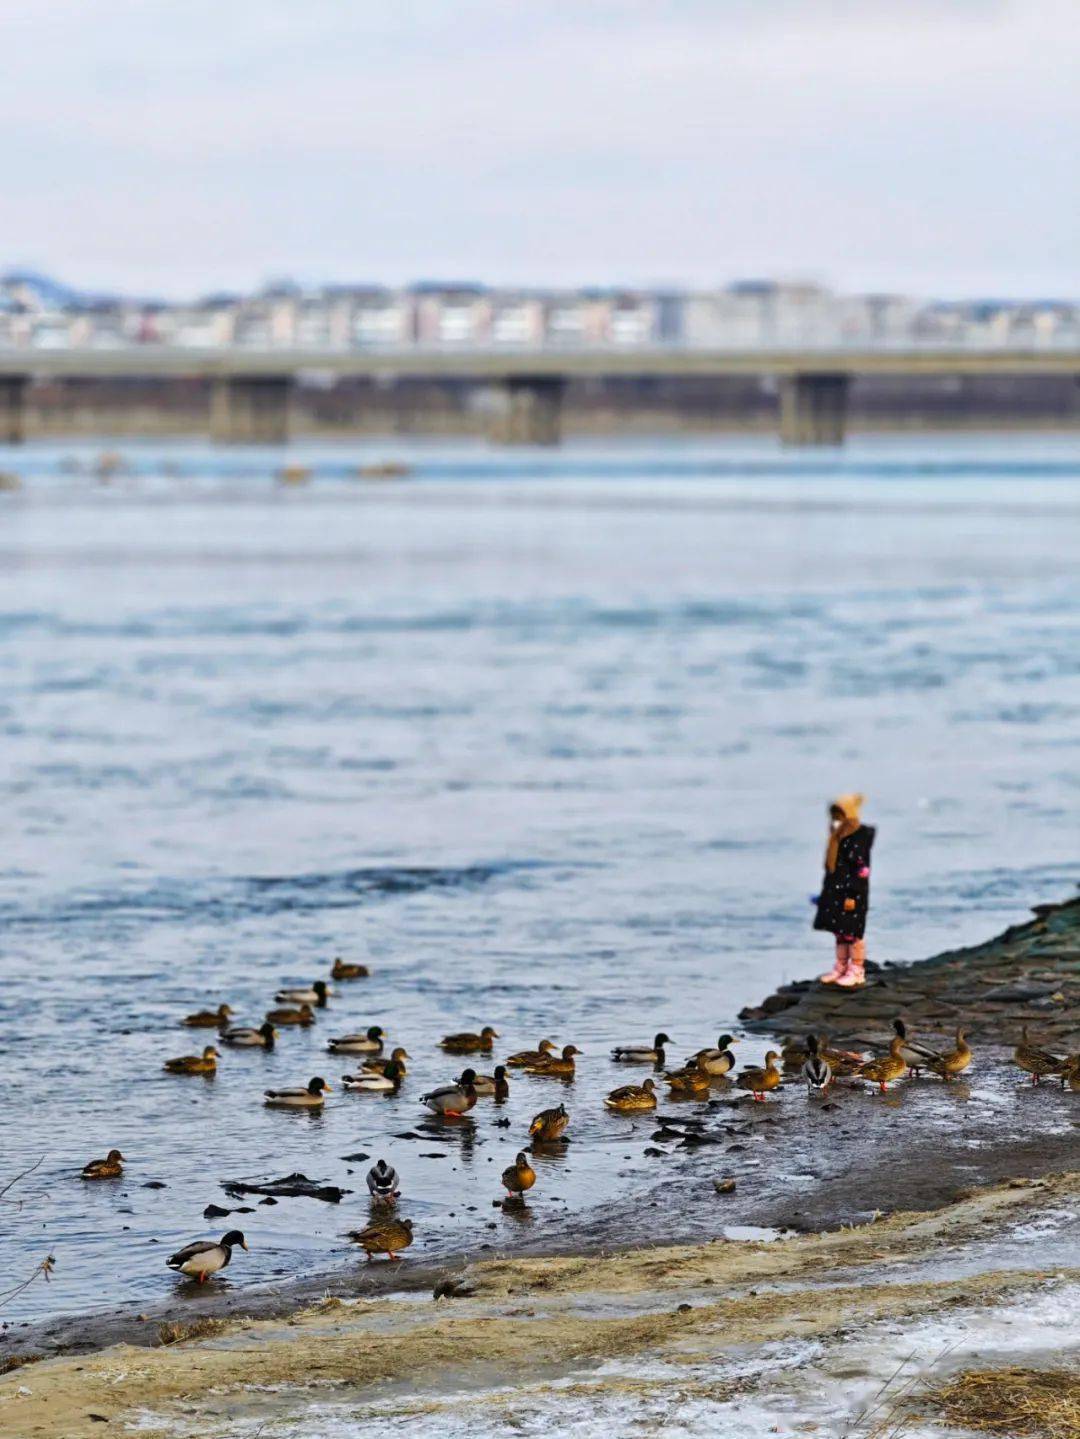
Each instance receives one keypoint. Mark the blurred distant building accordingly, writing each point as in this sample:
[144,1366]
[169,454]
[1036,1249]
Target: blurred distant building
[39,313]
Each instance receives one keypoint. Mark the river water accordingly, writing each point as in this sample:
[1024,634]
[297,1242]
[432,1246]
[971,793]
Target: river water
[546,741]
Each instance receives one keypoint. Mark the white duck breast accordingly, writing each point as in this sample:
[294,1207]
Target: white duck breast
[205,1258]
[376,1082]
[382,1180]
[716,1061]
[307,994]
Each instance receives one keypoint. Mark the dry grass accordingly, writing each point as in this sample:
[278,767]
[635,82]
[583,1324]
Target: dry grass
[16,1361]
[1018,1403]
[175,1331]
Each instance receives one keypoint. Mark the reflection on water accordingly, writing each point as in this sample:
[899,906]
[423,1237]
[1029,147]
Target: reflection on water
[545,743]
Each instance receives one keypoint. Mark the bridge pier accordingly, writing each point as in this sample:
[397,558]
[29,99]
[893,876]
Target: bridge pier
[250,409]
[13,408]
[530,412]
[813,408]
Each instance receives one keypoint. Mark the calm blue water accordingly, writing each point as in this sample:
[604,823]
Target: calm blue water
[546,741]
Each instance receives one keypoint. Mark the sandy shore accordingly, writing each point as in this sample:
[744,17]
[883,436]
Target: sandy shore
[663,1316]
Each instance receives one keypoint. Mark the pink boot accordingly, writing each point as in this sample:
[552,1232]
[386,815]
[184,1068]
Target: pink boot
[839,969]
[854,976]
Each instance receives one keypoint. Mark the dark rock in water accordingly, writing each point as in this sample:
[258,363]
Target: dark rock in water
[155,1184]
[268,1200]
[293,1186]
[652,1153]
[215,1211]
[776,1003]
[358,1157]
[431,1154]
[408,1134]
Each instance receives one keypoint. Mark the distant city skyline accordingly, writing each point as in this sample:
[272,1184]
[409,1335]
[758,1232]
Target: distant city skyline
[905,146]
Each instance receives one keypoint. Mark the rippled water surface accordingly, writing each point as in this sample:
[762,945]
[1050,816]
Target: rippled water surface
[546,742]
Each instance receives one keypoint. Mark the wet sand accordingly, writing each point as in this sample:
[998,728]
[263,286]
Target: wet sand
[534,1321]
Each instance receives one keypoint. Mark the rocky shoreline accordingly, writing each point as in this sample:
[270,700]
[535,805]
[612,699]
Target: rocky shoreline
[1030,975]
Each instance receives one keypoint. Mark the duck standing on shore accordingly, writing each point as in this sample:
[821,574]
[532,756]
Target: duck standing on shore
[758,1080]
[382,1183]
[884,1070]
[816,1070]
[384,1236]
[1039,1063]
[844,900]
[205,1257]
[518,1177]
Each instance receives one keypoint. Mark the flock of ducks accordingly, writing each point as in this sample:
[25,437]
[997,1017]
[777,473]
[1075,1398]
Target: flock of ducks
[814,1060]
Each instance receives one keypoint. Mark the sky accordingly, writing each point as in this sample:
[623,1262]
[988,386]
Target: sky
[174,147]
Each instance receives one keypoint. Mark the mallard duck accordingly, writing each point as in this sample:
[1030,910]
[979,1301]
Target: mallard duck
[1070,1073]
[642,1053]
[718,1061]
[384,1236]
[494,1085]
[530,1056]
[388,1082]
[519,1176]
[382,1182]
[470,1043]
[310,1098]
[377,1063]
[559,1065]
[243,1038]
[1039,1063]
[304,1015]
[370,1042]
[205,1257]
[916,1055]
[633,1097]
[205,1063]
[953,1061]
[209,1018]
[758,1081]
[816,1070]
[341,970]
[111,1167]
[690,1082]
[452,1100]
[549,1125]
[315,993]
[887,1067]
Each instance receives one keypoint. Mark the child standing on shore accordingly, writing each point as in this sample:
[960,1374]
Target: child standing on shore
[845,892]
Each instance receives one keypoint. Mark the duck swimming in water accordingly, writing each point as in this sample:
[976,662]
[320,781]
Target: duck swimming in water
[643,1053]
[305,1015]
[312,1097]
[469,1043]
[633,1098]
[111,1167]
[205,1063]
[549,1125]
[245,1038]
[341,970]
[208,1018]
[370,1042]
[315,993]
[531,1056]
[451,1101]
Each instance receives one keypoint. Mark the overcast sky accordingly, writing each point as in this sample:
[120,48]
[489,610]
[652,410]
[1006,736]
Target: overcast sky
[177,146]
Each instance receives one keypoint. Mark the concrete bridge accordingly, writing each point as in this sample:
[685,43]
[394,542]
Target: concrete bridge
[251,389]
